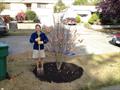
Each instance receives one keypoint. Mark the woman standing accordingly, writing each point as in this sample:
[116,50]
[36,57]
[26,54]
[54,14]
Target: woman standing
[38,38]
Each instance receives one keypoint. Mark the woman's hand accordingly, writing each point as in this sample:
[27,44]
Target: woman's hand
[40,42]
[37,39]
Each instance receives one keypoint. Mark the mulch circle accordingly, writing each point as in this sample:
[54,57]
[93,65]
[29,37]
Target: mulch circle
[67,73]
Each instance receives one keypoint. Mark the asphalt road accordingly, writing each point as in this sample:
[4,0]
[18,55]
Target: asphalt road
[93,43]
[17,44]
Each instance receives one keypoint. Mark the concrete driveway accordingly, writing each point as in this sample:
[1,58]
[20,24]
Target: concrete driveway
[94,42]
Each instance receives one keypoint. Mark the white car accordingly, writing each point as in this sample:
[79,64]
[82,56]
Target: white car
[3,27]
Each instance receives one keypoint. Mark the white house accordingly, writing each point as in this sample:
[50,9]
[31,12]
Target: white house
[23,5]
[84,11]
[16,6]
[44,7]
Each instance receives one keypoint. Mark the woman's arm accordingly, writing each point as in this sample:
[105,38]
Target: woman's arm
[45,39]
[32,38]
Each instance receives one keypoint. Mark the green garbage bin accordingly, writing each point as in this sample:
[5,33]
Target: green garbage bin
[3,61]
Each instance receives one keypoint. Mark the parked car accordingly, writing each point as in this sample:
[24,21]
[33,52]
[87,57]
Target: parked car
[69,18]
[70,21]
[116,39]
[3,27]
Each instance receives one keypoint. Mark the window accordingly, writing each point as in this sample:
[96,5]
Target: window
[41,5]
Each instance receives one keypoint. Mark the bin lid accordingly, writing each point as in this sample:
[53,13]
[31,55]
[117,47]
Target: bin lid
[2,44]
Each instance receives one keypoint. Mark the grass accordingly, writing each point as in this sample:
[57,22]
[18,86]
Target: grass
[99,71]
[20,32]
[110,31]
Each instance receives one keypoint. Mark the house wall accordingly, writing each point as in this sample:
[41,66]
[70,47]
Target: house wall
[18,7]
[37,7]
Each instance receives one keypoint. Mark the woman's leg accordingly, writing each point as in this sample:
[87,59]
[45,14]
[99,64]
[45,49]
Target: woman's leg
[36,58]
[42,56]
[37,65]
[41,63]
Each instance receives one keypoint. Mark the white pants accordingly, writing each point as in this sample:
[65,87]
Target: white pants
[38,54]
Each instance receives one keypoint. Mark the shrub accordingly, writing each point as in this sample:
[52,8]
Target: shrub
[30,15]
[78,20]
[20,17]
[118,22]
[6,18]
[36,20]
[12,19]
[109,21]
[94,18]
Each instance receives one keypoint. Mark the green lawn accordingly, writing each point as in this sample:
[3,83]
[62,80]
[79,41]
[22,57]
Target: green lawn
[110,31]
[20,32]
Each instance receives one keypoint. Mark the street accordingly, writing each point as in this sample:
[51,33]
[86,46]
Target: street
[93,43]
[17,44]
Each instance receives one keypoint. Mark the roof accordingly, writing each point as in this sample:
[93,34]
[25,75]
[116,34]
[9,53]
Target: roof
[84,8]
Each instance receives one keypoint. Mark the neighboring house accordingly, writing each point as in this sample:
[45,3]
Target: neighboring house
[44,7]
[84,11]
[35,5]
[16,6]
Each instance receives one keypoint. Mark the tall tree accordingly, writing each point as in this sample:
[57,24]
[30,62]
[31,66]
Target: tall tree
[110,10]
[80,2]
[2,6]
[93,2]
[59,6]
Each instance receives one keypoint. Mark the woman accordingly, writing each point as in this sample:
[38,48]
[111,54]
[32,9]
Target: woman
[39,39]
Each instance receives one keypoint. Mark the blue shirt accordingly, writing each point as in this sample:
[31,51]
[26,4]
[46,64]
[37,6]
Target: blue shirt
[43,38]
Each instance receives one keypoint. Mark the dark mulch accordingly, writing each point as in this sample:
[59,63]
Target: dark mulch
[67,73]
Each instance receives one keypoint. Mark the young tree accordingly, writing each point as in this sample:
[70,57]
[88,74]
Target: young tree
[110,10]
[61,42]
